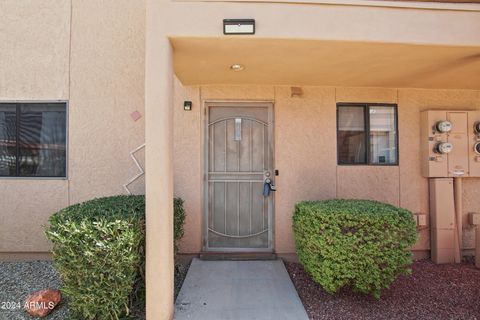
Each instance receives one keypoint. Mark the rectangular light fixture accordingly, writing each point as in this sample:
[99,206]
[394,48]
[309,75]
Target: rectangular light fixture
[187,105]
[238,26]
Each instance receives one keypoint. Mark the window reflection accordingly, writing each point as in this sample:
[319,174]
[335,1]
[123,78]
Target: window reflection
[37,147]
[367,134]
[351,135]
[8,143]
[383,138]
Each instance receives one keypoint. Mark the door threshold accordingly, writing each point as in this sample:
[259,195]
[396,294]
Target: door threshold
[237,256]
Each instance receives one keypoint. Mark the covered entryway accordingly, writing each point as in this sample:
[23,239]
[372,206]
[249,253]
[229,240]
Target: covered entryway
[338,47]
[239,165]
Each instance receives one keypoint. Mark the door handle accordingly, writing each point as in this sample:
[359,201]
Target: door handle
[268,187]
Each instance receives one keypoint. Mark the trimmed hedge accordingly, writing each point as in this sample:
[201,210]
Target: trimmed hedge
[99,252]
[360,244]
[178,221]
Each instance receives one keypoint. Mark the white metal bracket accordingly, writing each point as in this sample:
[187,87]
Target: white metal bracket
[140,168]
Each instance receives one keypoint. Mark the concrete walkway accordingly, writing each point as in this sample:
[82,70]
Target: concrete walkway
[237,290]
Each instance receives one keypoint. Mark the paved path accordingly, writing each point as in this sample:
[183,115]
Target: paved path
[237,290]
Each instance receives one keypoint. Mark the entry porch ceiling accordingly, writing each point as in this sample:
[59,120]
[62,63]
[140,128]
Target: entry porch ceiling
[203,61]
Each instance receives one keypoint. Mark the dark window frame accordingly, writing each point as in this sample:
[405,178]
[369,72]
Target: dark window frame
[366,119]
[18,104]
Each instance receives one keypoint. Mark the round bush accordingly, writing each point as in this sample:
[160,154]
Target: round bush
[360,244]
[99,252]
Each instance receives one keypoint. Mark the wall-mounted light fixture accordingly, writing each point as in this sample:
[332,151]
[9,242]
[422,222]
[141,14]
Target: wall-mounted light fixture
[187,105]
[296,92]
[238,26]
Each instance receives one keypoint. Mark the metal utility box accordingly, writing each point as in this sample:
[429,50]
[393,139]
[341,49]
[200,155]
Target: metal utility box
[433,165]
[450,143]
[458,158]
[442,217]
[474,143]
[474,218]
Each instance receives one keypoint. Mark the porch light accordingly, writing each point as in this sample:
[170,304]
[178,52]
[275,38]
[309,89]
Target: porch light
[187,105]
[238,26]
[237,67]
[296,92]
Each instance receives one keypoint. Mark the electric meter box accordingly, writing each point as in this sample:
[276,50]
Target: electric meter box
[442,220]
[474,143]
[450,143]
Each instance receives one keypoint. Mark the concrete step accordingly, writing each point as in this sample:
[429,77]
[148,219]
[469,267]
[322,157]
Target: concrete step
[237,256]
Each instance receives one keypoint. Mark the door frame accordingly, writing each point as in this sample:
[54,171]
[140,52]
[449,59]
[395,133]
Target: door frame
[207,104]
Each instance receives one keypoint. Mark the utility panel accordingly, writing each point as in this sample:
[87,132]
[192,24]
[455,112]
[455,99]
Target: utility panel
[450,145]
[474,143]
[442,218]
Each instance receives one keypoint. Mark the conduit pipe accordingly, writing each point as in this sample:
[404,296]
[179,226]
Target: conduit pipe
[457,190]
[475,222]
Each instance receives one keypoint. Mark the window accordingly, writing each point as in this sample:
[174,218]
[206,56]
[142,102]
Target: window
[367,134]
[33,139]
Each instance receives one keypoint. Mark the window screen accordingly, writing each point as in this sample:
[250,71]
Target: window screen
[367,134]
[33,139]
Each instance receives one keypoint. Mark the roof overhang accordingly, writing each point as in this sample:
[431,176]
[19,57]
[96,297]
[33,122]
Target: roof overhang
[201,61]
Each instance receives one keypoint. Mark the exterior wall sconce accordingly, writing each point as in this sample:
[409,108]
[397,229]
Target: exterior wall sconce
[238,26]
[187,105]
[296,92]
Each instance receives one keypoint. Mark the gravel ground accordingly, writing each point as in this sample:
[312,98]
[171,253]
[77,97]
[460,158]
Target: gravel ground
[432,292]
[181,270]
[18,280]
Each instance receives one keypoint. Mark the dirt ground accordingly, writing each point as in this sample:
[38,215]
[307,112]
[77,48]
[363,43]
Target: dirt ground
[431,292]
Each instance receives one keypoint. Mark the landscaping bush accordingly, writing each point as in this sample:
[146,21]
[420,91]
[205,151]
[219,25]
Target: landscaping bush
[360,244]
[99,252]
[178,221]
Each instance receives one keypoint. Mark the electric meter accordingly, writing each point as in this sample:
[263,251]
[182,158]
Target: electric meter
[443,147]
[476,127]
[443,126]
[476,148]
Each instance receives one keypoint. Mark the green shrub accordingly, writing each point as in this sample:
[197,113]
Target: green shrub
[360,244]
[99,252]
[178,221]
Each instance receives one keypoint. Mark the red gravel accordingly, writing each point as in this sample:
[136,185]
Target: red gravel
[430,292]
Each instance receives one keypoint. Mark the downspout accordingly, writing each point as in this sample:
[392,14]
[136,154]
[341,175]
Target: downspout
[458,189]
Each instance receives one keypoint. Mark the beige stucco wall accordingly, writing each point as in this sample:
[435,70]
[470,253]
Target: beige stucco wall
[305,152]
[107,84]
[324,21]
[414,188]
[91,54]
[34,49]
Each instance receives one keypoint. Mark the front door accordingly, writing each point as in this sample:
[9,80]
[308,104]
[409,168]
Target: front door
[239,160]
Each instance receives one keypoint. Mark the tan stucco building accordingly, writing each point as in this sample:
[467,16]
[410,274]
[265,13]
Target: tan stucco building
[285,99]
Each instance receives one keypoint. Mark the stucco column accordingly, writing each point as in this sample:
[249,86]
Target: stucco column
[158,165]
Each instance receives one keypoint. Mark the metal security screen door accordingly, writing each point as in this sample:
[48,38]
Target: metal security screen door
[239,159]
